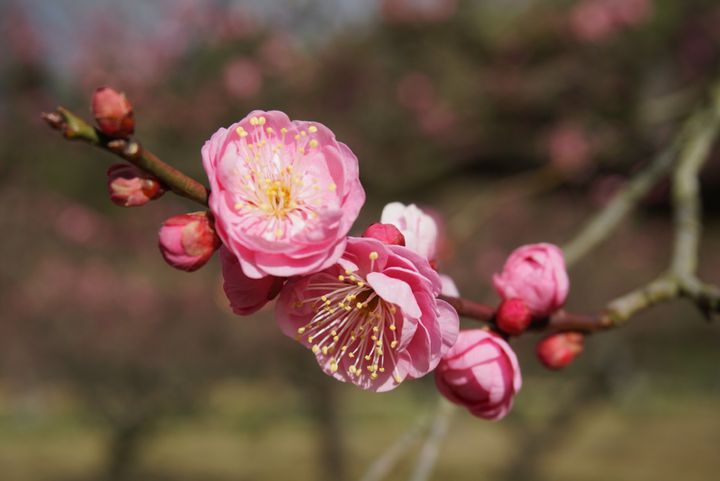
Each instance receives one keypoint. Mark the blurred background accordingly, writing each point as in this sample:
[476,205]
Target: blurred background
[514,120]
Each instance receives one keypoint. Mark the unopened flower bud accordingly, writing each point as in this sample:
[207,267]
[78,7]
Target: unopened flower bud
[187,241]
[558,350]
[481,373]
[536,274]
[385,233]
[130,186]
[513,316]
[113,112]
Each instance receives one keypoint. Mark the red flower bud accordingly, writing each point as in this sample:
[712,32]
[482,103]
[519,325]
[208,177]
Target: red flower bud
[385,233]
[113,112]
[188,241]
[558,350]
[513,316]
[130,186]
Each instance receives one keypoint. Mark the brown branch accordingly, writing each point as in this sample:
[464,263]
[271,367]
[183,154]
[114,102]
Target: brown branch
[73,127]
[559,321]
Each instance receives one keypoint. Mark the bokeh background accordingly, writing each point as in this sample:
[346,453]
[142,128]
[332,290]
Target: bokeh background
[515,120]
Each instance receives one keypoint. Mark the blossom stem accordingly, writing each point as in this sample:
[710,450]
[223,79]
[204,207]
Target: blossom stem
[559,321]
[73,127]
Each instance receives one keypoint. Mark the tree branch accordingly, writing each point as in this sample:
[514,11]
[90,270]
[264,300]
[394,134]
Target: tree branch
[691,148]
[431,448]
[73,127]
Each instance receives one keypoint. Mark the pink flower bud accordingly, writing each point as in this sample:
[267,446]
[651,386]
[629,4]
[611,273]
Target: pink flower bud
[385,233]
[187,241]
[558,350]
[480,372]
[536,274]
[129,186]
[513,316]
[113,112]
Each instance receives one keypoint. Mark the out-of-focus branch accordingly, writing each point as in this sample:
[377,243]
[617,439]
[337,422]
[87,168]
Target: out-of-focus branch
[681,278]
[430,449]
[73,127]
[691,149]
[382,466]
[604,223]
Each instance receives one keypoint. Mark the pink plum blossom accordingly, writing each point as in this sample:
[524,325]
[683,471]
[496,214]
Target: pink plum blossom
[481,373]
[421,234]
[187,241]
[536,274]
[246,295]
[372,318]
[419,229]
[284,193]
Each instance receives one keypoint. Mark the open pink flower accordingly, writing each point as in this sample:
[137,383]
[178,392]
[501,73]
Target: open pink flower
[480,372]
[536,274]
[372,318]
[419,229]
[284,194]
[246,295]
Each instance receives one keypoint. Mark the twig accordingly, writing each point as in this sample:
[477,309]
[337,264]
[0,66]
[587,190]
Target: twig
[559,321]
[604,223]
[429,452]
[391,456]
[691,145]
[74,128]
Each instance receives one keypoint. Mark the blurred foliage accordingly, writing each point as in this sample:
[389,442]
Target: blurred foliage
[513,119]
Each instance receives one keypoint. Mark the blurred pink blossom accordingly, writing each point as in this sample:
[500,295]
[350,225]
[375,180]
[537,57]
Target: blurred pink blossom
[77,223]
[417,11]
[19,36]
[569,148]
[277,54]
[415,91]
[598,20]
[243,78]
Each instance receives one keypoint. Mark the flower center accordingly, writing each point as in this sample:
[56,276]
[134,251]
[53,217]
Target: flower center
[352,325]
[277,196]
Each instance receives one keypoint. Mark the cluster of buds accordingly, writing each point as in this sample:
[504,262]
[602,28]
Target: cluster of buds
[284,195]
[533,285]
[186,241]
